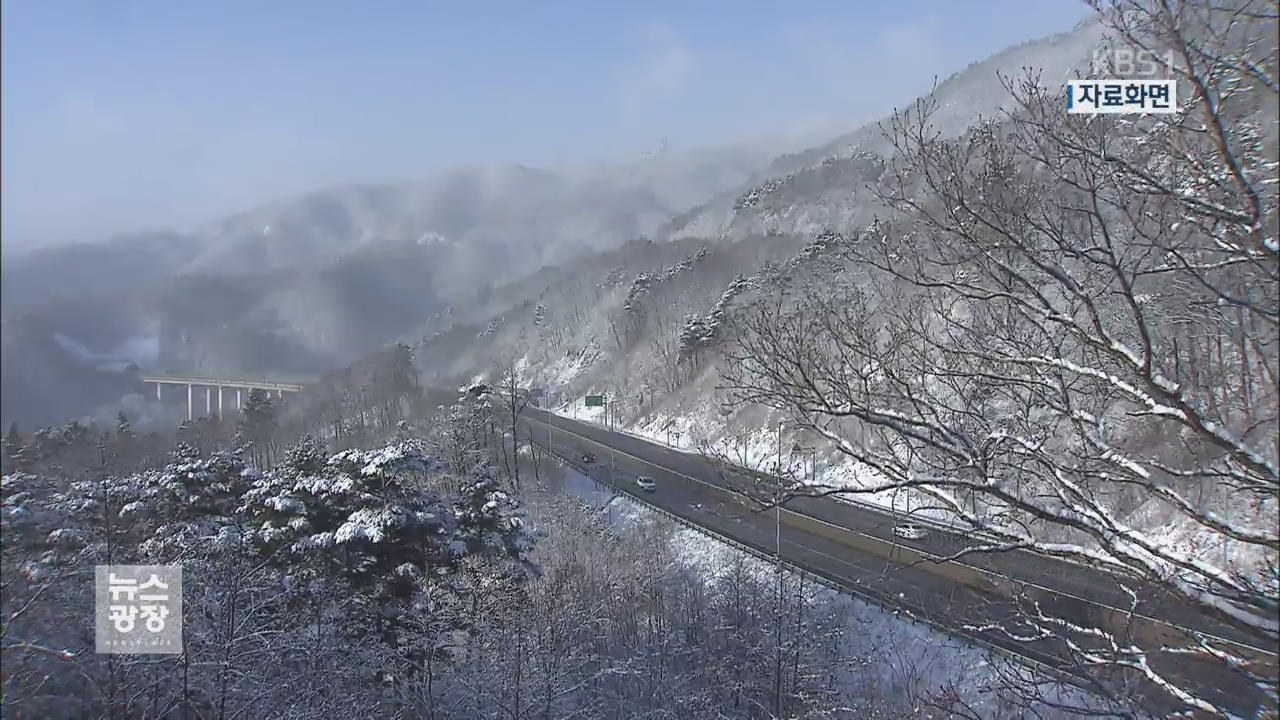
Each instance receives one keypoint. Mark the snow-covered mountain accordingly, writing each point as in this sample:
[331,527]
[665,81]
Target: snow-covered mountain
[823,187]
[629,317]
[313,282]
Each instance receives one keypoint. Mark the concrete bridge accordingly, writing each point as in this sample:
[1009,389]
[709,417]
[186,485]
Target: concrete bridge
[221,387]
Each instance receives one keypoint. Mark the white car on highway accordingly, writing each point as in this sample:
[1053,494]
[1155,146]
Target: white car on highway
[909,532]
[645,483]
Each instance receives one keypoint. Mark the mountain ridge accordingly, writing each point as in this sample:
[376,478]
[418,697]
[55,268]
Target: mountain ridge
[323,277]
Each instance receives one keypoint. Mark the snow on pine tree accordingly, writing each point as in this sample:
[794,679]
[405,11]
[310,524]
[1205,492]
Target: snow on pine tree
[368,516]
[16,452]
[695,334]
[639,287]
[487,521]
[195,498]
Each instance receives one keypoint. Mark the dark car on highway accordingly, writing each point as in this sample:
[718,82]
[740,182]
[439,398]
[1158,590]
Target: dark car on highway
[588,458]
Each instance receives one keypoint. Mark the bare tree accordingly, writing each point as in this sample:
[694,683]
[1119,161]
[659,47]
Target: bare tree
[1068,336]
[514,400]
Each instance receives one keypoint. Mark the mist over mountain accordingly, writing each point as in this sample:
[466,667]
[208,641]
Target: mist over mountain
[823,186]
[311,283]
[1003,368]
[617,316]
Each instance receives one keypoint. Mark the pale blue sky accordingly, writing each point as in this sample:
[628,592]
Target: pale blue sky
[119,115]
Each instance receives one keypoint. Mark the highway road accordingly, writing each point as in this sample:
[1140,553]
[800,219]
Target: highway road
[695,489]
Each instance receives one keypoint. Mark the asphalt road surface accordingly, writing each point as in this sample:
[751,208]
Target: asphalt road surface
[691,486]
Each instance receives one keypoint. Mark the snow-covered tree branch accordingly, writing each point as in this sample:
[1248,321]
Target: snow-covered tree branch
[1068,337]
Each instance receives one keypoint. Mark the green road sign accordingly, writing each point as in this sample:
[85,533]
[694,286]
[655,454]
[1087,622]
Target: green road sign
[595,401]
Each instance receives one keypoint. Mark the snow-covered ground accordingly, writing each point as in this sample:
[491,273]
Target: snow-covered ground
[903,647]
[757,448]
[703,430]
[619,508]
[693,420]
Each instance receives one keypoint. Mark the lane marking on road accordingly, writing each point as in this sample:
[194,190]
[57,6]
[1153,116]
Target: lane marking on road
[929,556]
[802,549]
[729,491]
[856,588]
[658,445]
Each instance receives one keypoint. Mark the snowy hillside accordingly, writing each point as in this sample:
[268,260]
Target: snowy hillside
[821,188]
[644,326]
[312,283]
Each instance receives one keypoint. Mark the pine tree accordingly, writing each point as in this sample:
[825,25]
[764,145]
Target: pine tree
[15,454]
[125,450]
[257,426]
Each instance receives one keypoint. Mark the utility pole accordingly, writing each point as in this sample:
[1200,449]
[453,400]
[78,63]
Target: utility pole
[546,412]
[778,472]
[777,539]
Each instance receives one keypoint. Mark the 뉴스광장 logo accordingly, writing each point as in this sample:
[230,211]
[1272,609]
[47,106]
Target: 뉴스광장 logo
[138,609]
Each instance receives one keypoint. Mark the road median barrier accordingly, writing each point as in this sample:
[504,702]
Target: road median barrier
[1145,631]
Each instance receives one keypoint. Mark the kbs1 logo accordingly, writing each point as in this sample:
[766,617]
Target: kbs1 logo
[1144,87]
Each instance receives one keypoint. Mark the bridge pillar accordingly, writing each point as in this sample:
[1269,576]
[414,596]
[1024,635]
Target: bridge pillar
[219,403]
[188,402]
[158,385]
[208,400]
[238,405]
